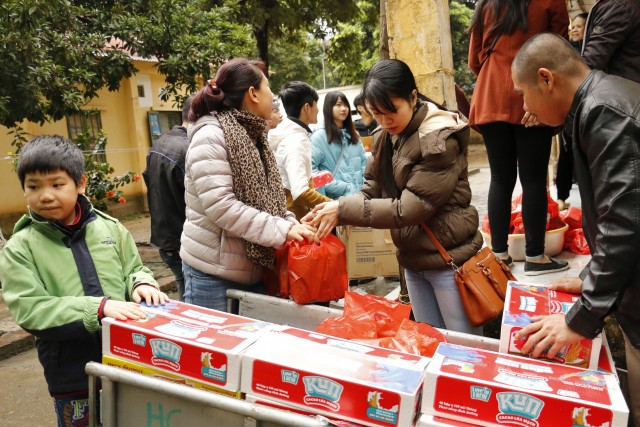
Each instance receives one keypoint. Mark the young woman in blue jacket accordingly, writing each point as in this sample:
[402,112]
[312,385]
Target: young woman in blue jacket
[337,148]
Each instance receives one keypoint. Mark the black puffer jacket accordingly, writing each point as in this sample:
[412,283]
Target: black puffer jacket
[604,121]
[612,38]
[429,164]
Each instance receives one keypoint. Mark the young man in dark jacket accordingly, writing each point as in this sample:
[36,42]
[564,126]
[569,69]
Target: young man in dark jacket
[164,177]
[601,113]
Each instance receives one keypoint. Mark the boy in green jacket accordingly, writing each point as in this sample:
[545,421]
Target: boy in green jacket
[66,267]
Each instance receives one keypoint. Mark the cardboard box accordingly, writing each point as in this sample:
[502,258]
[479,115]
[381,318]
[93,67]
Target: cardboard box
[335,378]
[157,373]
[432,421]
[605,361]
[525,300]
[495,389]
[187,340]
[370,252]
[274,404]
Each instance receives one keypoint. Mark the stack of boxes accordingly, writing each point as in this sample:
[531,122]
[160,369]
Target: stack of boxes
[361,385]
[465,386]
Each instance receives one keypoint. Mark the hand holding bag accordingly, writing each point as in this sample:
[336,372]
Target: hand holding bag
[482,282]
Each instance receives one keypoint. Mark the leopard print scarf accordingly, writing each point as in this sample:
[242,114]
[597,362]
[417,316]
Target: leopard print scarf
[256,180]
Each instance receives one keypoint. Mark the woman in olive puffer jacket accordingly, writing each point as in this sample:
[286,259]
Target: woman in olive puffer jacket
[419,175]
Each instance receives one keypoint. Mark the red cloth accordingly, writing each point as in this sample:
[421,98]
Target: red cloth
[494,99]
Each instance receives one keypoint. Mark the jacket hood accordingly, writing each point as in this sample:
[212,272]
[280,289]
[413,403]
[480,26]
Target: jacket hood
[209,119]
[286,128]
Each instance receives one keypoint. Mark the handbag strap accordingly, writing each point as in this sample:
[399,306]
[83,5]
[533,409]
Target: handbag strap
[495,40]
[339,159]
[447,258]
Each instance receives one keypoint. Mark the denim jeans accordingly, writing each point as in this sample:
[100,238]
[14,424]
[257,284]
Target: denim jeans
[72,411]
[210,291]
[435,300]
[174,262]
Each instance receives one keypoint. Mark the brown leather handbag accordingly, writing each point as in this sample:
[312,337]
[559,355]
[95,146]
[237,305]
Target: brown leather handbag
[482,282]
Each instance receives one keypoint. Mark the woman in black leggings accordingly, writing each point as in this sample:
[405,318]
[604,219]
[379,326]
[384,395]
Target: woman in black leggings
[498,29]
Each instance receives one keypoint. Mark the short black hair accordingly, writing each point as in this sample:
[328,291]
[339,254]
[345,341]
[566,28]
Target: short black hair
[294,95]
[358,100]
[546,50]
[50,153]
[185,108]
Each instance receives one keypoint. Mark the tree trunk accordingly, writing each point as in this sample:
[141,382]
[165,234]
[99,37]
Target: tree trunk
[384,37]
[262,39]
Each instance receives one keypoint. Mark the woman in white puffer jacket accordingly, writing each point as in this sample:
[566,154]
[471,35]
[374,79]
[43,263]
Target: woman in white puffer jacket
[236,210]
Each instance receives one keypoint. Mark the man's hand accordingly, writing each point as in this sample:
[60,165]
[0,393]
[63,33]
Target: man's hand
[572,285]
[122,310]
[529,119]
[547,333]
[150,294]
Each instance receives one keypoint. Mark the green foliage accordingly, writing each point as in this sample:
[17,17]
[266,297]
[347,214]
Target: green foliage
[349,52]
[298,56]
[354,47]
[53,59]
[460,13]
[56,56]
[274,19]
[102,185]
[188,38]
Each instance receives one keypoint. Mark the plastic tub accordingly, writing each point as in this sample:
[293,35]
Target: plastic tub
[553,243]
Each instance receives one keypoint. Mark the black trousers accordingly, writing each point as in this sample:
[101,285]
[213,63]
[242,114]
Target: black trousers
[513,149]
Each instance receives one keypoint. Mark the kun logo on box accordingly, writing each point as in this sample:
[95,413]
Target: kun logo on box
[165,353]
[518,408]
[322,392]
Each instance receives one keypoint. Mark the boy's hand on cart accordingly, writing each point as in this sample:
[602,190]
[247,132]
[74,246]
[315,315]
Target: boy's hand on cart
[123,310]
[149,294]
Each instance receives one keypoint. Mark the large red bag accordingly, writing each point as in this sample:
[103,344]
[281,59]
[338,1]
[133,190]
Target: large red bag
[315,272]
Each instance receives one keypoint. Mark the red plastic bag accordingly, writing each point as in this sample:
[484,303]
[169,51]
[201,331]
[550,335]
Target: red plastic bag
[575,241]
[316,272]
[412,337]
[573,217]
[388,315]
[349,328]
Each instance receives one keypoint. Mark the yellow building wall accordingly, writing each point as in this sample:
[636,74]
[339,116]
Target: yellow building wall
[126,125]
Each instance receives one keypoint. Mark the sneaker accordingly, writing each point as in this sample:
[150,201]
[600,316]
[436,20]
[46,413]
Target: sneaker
[538,268]
[508,261]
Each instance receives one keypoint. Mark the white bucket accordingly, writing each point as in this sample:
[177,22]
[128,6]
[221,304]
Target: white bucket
[553,243]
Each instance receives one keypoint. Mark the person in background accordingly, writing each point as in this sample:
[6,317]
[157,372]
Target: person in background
[337,148]
[164,177]
[366,124]
[66,267]
[612,37]
[276,117]
[291,146]
[576,33]
[418,176]
[564,173]
[236,206]
[498,28]
[600,112]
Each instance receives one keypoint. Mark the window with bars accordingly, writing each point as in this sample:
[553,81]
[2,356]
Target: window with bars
[89,123]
